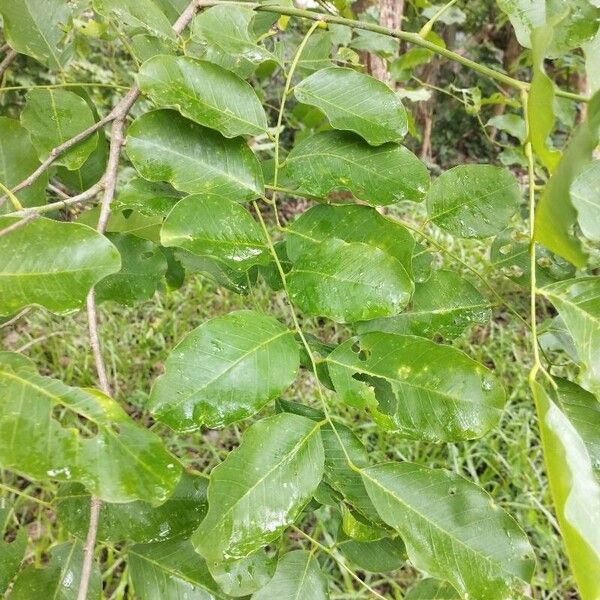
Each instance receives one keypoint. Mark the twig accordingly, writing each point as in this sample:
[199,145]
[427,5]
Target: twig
[8,59]
[16,225]
[109,179]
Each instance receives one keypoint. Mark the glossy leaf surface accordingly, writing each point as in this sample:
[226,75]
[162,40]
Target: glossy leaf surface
[35,269]
[334,160]
[244,576]
[53,117]
[205,93]
[261,487]
[349,282]
[164,146]
[473,200]
[152,199]
[225,370]
[445,304]
[380,556]
[216,227]
[420,389]
[77,434]
[298,575]
[356,102]
[462,537]
[578,303]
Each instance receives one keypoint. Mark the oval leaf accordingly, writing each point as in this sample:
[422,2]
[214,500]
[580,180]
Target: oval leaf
[333,160]
[461,536]
[204,92]
[420,389]
[216,227]
[76,434]
[164,146]
[52,264]
[356,102]
[349,282]
[473,200]
[261,487]
[225,370]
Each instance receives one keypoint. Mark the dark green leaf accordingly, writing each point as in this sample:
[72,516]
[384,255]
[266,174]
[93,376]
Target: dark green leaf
[74,434]
[148,198]
[381,556]
[334,160]
[51,264]
[225,370]
[420,389]
[11,553]
[445,304]
[245,575]
[298,575]
[143,267]
[473,200]
[349,282]
[356,102]
[452,529]
[163,146]
[53,117]
[216,227]
[261,487]
[205,93]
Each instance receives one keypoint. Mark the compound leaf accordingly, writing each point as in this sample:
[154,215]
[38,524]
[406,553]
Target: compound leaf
[225,370]
[422,390]
[356,102]
[452,529]
[51,264]
[164,146]
[261,487]
[334,160]
[205,93]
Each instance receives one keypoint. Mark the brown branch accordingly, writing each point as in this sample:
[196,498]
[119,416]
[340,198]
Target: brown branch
[8,59]
[109,181]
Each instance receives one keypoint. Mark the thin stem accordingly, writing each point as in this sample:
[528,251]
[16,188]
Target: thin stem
[51,86]
[24,495]
[7,61]
[338,561]
[17,224]
[411,38]
[286,91]
[11,196]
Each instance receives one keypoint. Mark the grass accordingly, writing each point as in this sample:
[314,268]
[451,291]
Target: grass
[508,462]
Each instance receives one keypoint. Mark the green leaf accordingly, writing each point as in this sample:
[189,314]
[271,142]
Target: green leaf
[261,487]
[51,264]
[452,529]
[578,303]
[473,201]
[420,389]
[540,105]
[163,146]
[143,267]
[59,579]
[381,556]
[334,160]
[433,589]
[205,93]
[349,282]
[11,553]
[317,52]
[445,304]
[351,223]
[298,575]
[54,116]
[136,15]
[37,28]
[575,489]
[245,575]
[356,102]
[228,39]
[18,159]
[136,521]
[225,370]
[555,214]
[128,221]
[76,434]
[148,198]
[171,571]
[586,200]
[209,226]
